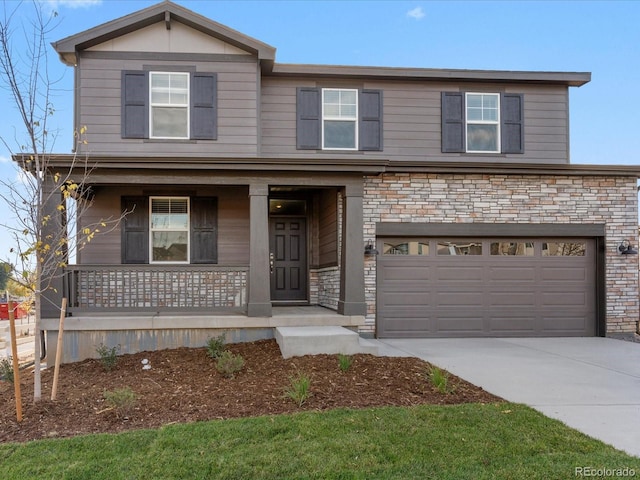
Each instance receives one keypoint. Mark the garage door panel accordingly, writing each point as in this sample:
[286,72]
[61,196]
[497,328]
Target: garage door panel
[408,324]
[400,299]
[459,298]
[462,273]
[488,295]
[564,274]
[566,299]
[467,322]
[524,324]
[565,323]
[406,273]
[509,298]
[512,273]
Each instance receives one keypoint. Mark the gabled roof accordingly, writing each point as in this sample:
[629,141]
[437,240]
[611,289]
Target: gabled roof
[166,11]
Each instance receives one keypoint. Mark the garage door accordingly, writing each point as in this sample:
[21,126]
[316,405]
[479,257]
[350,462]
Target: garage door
[486,287]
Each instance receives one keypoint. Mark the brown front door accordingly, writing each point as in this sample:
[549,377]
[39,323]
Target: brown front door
[288,256]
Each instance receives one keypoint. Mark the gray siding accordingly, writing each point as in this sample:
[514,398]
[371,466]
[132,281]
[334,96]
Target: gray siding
[328,226]
[412,123]
[99,110]
[233,223]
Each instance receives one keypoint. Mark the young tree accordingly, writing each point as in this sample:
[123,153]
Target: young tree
[48,186]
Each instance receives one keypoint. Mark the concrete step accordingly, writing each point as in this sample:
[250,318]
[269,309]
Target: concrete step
[298,341]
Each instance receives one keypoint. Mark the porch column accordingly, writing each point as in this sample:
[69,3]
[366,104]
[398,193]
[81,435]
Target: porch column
[54,231]
[351,301]
[259,304]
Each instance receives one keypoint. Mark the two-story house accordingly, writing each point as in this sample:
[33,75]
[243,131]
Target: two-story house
[409,202]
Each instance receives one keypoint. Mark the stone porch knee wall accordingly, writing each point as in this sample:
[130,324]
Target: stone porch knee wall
[531,199]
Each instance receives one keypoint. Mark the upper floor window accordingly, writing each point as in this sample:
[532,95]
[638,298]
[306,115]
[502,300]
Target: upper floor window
[169,103]
[483,122]
[339,119]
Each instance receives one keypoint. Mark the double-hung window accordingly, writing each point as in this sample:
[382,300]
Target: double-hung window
[169,105]
[483,122]
[339,119]
[169,100]
[169,229]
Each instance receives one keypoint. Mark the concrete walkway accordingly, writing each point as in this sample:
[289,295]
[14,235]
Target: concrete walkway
[590,384]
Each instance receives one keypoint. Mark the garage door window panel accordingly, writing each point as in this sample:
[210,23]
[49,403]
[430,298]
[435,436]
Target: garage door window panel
[405,248]
[564,249]
[512,248]
[459,247]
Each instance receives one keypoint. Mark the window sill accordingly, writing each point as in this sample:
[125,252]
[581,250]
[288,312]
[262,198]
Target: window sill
[168,140]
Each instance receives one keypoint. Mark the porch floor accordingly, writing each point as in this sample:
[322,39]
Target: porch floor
[294,316]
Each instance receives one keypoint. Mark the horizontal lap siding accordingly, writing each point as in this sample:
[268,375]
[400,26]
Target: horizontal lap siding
[233,223]
[100,106]
[412,122]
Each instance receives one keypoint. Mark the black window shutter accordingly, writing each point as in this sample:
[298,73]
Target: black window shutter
[512,122]
[204,230]
[308,119]
[453,118]
[135,230]
[370,113]
[135,104]
[204,106]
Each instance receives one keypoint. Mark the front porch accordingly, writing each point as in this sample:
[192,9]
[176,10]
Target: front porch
[143,331]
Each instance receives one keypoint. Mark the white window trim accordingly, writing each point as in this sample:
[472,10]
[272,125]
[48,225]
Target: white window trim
[341,119]
[151,230]
[481,122]
[187,106]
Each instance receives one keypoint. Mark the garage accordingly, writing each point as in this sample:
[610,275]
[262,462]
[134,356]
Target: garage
[487,286]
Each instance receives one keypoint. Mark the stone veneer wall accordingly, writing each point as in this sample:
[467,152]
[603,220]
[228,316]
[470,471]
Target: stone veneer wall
[324,283]
[328,287]
[459,198]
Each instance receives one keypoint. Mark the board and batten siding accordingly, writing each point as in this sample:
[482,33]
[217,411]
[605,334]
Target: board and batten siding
[412,120]
[233,223]
[99,109]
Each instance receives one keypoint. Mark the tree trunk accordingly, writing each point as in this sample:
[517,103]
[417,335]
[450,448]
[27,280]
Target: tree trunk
[37,383]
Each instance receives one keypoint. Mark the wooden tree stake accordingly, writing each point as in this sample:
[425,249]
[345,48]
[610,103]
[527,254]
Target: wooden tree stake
[56,371]
[16,366]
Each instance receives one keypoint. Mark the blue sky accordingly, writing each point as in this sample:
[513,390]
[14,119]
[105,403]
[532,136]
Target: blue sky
[601,37]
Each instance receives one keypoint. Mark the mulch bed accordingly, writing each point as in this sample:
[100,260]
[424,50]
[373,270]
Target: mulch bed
[183,385]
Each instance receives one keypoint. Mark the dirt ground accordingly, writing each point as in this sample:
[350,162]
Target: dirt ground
[183,385]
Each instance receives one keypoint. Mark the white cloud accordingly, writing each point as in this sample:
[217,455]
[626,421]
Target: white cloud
[417,13]
[56,4]
[4,159]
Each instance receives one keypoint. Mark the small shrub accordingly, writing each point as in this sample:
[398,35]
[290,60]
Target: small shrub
[345,362]
[108,356]
[299,389]
[215,346]
[122,400]
[440,379]
[229,364]
[6,370]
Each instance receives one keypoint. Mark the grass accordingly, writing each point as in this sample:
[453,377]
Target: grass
[299,388]
[473,441]
[344,361]
[440,380]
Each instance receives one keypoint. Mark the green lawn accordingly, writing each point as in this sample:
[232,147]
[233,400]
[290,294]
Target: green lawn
[496,441]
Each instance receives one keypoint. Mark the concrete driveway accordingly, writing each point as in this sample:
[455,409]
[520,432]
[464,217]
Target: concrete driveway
[590,384]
